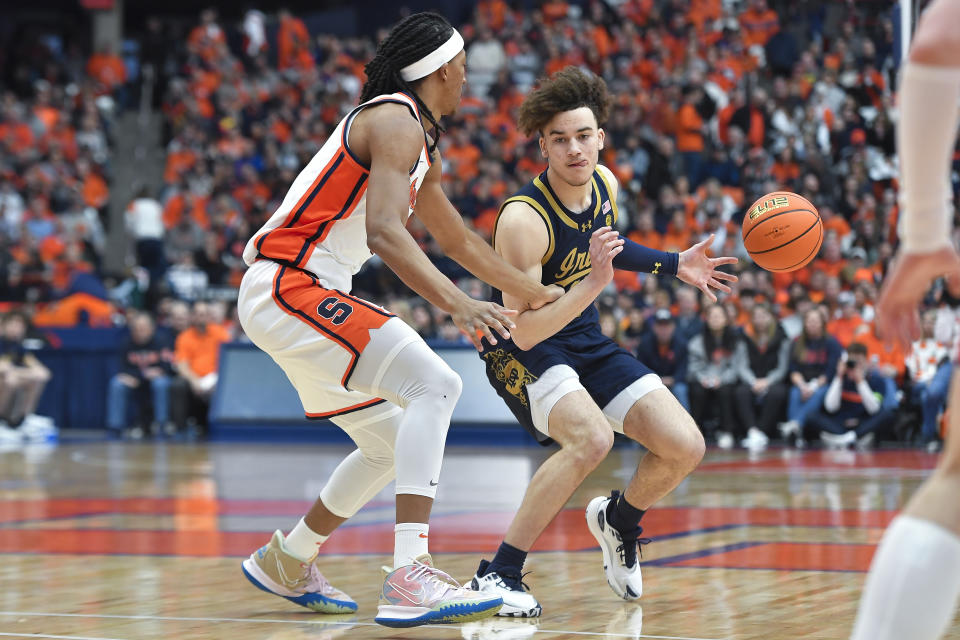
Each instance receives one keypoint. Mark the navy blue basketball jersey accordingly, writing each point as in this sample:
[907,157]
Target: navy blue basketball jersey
[567,260]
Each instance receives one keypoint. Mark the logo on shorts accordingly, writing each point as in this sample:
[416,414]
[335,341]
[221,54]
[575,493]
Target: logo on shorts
[333,310]
[513,375]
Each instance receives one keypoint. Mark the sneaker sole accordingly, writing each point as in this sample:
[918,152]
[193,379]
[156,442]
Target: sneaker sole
[313,601]
[515,612]
[442,614]
[591,516]
[509,611]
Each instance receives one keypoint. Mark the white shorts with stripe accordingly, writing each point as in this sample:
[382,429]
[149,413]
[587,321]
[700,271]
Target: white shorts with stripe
[317,335]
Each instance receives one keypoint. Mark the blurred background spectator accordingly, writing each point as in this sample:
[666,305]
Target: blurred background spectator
[145,375]
[712,376]
[22,381]
[929,369]
[763,358]
[852,410]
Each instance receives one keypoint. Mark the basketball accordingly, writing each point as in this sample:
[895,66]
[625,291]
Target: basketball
[782,231]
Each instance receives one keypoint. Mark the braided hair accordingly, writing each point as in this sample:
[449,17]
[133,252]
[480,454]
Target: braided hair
[411,39]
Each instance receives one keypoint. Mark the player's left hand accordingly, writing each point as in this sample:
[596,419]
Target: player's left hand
[909,280]
[700,270]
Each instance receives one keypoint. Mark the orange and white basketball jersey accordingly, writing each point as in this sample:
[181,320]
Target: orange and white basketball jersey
[320,226]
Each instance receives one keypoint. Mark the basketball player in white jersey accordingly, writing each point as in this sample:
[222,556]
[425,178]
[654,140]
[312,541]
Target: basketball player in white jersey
[353,362]
[914,580]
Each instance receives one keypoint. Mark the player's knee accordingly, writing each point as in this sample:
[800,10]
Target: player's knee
[378,454]
[686,447]
[592,446]
[694,448]
[444,385]
[937,40]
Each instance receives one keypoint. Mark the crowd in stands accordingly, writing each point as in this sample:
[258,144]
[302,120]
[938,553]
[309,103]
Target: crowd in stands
[57,111]
[716,103]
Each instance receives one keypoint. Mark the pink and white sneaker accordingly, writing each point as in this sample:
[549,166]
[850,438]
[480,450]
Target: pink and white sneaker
[419,594]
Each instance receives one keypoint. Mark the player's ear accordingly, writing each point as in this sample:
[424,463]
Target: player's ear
[601,136]
[543,146]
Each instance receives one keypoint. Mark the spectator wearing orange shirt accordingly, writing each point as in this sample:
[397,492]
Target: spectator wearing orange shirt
[196,358]
[645,233]
[678,233]
[690,130]
[832,262]
[207,39]
[758,24]
[107,69]
[844,327]
[293,43]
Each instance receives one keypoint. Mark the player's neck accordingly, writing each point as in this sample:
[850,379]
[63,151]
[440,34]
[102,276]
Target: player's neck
[573,197]
[429,95]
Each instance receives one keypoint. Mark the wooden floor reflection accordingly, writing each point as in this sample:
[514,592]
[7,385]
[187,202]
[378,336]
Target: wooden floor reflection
[115,541]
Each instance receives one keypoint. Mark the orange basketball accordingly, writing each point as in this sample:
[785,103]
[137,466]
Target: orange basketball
[782,231]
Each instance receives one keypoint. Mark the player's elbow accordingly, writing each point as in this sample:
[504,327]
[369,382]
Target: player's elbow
[379,239]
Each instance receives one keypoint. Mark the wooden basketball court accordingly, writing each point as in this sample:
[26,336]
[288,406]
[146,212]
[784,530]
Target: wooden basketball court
[120,541]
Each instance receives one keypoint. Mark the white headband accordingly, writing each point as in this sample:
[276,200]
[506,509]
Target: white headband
[434,60]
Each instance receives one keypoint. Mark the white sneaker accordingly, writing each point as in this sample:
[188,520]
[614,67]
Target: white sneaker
[838,441]
[866,442]
[756,440]
[38,429]
[619,556]
[9,435]
[517,602]
[724,439]
[789,428]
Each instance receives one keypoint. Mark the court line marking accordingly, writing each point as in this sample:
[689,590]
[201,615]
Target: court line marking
[39,614]
[41,635]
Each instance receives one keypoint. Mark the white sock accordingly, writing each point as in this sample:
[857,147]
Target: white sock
[410,543]
[304,542]
[926,134]
[913,584]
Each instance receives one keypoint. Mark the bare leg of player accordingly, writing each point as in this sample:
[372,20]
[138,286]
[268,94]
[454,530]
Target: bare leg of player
[914,580]
[585,437]
[674,447]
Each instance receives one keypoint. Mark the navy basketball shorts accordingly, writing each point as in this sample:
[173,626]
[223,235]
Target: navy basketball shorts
[532,382]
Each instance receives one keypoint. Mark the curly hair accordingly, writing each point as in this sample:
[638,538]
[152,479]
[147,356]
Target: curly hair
[412,38]
[566,90]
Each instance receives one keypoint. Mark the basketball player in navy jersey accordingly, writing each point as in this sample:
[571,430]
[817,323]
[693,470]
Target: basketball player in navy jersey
[561,377]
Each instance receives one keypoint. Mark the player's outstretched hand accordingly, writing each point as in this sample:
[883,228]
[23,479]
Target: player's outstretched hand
[700,270]
[909,280]
[605,244]
[478,319]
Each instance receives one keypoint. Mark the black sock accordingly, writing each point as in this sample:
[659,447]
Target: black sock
[508,557]
[622,515]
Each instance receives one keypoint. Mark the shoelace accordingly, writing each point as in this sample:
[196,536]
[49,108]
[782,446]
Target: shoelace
[515,580]
[433,575]
[315,578]
[629,546]
[629,541]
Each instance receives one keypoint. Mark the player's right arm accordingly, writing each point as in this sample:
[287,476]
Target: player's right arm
[522,240]
[394,141]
